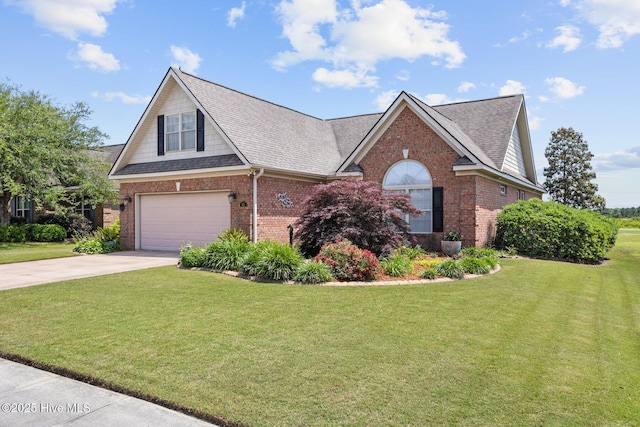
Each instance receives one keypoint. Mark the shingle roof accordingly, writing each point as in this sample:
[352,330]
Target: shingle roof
[273,136]
[180,164]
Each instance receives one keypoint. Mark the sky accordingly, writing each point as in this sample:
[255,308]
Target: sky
[576,61]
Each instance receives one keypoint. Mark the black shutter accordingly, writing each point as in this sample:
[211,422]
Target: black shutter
[160,135]
[438,209]
[199,130]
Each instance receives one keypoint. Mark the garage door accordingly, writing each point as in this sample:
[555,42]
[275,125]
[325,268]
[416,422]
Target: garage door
[169,221]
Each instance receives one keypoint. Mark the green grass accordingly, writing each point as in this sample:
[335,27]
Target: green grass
[539,343]
[32,251]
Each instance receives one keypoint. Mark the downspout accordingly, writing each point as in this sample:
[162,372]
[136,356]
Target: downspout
[255,203]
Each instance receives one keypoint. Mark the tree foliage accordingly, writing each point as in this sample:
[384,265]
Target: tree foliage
[358,211]
[569,177]
[44,148]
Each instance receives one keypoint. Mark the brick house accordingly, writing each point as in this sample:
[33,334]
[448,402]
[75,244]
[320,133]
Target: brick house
[204,158]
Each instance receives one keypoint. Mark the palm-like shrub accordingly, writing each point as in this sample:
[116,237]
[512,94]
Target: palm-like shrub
[396,265]
[313,272]
[225,255]
[279,262]
[450,268]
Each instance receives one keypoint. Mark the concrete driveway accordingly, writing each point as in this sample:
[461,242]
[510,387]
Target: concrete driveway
[31,273]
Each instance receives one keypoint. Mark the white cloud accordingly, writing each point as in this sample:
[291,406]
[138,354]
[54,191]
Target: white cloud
[384,99]
[344,78]
[69,18]
[515,39]
[403,75]
[95,58]
[512,87]
[466,87]
[235,13]
[355,39]
[562,88]
[123,97]
[626,159]
[535,122]
[569,38]
[185,59]
[616,20]
[436,99]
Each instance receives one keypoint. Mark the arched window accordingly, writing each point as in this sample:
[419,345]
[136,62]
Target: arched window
[411,177]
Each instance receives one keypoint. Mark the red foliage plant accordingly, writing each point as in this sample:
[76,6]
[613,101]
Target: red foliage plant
[358,211]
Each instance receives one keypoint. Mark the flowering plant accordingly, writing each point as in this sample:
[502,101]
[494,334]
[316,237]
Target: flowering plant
[452,236]
[348,262]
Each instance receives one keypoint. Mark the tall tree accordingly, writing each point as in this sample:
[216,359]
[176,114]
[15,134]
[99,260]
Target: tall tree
[46,148]
[569,177]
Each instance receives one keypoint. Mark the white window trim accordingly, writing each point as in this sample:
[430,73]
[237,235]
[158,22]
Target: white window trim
[181,132]
[503,190]
[23,206]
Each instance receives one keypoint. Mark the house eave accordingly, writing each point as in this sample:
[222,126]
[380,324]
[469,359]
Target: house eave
[466,170]
[186,173]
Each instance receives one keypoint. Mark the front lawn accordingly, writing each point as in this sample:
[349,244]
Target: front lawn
[33,251]
[539,343]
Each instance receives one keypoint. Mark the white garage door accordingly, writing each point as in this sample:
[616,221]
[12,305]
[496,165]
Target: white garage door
[169,221]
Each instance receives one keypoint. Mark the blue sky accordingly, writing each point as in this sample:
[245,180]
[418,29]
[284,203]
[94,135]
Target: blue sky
[576,61]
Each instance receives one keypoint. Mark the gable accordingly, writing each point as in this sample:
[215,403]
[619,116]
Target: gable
[513,160]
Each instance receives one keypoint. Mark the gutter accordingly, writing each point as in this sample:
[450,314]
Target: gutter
[255,203]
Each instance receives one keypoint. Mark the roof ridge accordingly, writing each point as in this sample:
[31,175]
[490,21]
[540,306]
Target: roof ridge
[246,94]
[478,100]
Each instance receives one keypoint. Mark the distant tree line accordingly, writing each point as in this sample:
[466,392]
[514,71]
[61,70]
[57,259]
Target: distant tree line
[621,212]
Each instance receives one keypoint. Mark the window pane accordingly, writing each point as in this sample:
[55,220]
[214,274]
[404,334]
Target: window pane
[173,142]
[407,173]
[420,224]
[188,140]
[172,124]
[421,198]
[188,121]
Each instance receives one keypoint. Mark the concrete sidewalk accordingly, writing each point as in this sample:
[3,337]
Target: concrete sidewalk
[31,273]
[32,397]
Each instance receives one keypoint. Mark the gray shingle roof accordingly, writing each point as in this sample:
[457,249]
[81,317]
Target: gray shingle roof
[180,164]
[273,136]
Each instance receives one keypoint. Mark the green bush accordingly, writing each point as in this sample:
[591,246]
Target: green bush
[192,257]
[450,268]
[475,265]
[396,265]
[13,233]
[254,255]
[73,223]
[348,262]
[226,255]
[429,274]
[554,231]
[47,233]
[235,235]
[279,262]
[88,245]
[313,272]
[411,252]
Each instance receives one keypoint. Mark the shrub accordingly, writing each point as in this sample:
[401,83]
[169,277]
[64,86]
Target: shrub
[279,262]
[553,231]
[225,255]
[450,268]
[396,265]
[411,252]
[475,265]
[348,262]
[234,235]
[192,257]
[429,274]
[73,223]
[487,255]
[13,233]
[254,254]
[358,211]
[102,241]
[48,233]
[90,245]
[313,272]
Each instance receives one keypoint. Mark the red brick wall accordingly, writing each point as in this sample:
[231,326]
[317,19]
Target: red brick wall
[240,215]
[408,131]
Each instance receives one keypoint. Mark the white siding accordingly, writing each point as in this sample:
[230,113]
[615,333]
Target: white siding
[177,102]
[513,161]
